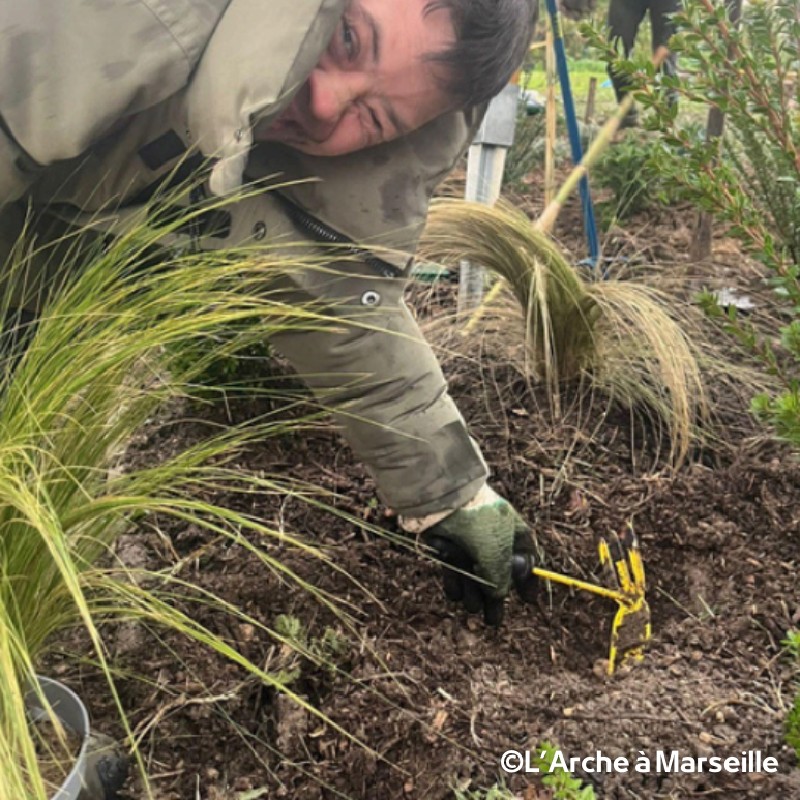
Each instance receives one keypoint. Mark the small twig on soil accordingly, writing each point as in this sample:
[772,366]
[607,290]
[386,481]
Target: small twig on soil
[162,776]
[385,676]
[760,703]
[646,717]
[553,713]
[706,606]
[475,737]
[181,702]
[166,541]
[738,701]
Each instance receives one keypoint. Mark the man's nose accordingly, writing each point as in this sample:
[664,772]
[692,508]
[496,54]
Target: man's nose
[329,97]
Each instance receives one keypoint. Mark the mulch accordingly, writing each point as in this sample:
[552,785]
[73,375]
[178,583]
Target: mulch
[418,698]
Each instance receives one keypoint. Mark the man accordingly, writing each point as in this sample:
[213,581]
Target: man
[624,19]
[103,102]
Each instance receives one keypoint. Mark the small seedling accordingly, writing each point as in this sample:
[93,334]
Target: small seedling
[497,792]
[557,779]
[792,645]
[792,725]
[324,650]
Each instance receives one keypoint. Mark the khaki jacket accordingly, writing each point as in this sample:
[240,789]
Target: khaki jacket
[155,82]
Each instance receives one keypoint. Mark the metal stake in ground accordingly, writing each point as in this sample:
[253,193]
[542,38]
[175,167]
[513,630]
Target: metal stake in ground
[485,163]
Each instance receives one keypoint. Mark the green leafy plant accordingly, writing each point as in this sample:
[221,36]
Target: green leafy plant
[497,792]
[792,724]
[557,779]
[629,171]
[326,650]
[748,178]
[245,368]
[792,735]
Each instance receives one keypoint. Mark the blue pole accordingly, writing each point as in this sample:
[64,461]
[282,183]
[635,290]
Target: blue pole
[574,134]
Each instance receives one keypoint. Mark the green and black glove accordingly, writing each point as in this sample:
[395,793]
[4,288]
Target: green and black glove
[106,769]
[482,539]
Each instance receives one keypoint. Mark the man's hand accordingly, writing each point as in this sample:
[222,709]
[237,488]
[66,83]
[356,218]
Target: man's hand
[106,769]
[481,539]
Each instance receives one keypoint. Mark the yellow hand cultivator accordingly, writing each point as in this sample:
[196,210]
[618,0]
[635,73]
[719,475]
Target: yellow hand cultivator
[623,568]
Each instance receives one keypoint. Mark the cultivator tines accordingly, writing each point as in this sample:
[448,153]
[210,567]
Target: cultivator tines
[623,569]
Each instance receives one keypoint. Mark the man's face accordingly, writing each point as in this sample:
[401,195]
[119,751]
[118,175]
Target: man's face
[372,84]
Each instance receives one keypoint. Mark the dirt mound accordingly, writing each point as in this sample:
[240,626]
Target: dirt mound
[435,696]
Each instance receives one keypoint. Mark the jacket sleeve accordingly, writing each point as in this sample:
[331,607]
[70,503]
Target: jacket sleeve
[375,370]
[70,70]
[367,361]
[373,367]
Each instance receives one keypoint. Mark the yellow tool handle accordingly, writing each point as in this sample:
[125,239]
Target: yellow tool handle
[566,580]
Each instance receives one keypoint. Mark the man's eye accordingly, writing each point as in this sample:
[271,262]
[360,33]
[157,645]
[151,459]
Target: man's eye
[375,121]
[349,40]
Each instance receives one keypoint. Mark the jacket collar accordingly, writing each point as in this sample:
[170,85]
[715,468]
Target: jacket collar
[378,197]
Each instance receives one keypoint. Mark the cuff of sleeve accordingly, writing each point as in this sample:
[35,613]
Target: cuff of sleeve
[419,524]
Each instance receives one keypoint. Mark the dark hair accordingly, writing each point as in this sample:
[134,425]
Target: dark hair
[492,39]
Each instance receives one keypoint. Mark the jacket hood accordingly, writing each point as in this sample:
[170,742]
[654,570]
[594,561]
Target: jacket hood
[279,42]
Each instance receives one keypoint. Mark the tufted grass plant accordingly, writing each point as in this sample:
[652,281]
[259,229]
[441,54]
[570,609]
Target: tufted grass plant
[632,342]
[104,356]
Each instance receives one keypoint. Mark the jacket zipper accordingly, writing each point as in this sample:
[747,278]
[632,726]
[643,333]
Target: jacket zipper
[324,234]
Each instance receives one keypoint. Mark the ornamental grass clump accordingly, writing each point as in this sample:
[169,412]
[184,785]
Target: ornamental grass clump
[106,352]
[629,339]
[742,62]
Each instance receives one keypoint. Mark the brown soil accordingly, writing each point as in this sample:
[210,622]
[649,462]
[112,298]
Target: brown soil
[56,750]
[438,697]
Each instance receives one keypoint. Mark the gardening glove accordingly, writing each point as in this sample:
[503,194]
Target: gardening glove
[481,539]
[106,769]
